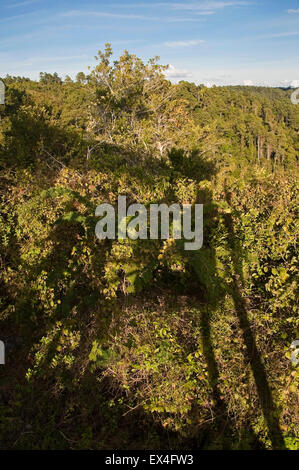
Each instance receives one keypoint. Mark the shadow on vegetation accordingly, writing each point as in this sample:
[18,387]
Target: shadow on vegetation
[252,354]
[209,294]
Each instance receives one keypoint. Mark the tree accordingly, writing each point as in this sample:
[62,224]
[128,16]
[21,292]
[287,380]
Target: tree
[49,79]
[80,77]
[136,107]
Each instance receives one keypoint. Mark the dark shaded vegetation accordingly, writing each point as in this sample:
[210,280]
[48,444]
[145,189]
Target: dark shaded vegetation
[141,344]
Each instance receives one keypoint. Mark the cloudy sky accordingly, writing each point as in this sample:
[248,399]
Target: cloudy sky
[212,42]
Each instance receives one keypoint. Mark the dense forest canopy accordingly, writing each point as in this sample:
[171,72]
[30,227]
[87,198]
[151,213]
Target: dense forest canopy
[139,343]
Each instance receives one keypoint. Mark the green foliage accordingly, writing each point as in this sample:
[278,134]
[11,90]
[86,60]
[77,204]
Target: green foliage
[140,341]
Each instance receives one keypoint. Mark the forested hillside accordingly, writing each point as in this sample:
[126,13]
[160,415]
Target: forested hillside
[138,344]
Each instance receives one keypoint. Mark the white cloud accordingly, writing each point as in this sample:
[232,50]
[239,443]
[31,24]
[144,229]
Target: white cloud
[204,12]
[217,79]
[287,83]
[181,19]
[284,83]
[80,13]
[209,6]
[193,42]
[174,74]
[200,8]
[278,35]
[129,16]
[294,83]
[21,4]
[293,11]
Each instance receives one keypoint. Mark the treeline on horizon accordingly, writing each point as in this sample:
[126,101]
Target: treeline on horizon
[138,344]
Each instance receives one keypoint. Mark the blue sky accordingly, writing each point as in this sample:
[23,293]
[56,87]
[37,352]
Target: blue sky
[211,42]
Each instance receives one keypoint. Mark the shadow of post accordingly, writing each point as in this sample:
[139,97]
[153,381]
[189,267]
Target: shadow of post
[251,352]
[222,421]
[210,291]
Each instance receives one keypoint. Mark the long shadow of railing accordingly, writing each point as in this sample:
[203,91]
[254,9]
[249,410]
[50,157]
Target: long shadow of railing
[222,422]
[251,352]
[209,293]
